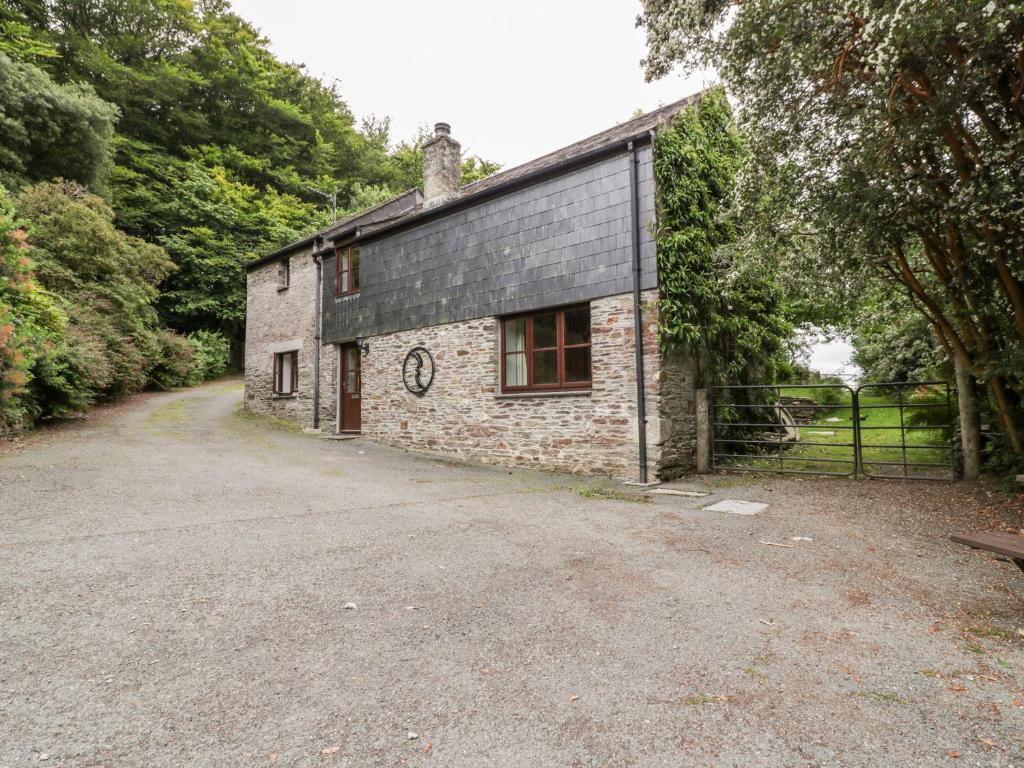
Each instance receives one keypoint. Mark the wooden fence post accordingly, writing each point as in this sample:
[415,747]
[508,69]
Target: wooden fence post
[703,433]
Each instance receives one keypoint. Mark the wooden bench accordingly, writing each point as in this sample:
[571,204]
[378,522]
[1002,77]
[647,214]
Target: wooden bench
[1007,544]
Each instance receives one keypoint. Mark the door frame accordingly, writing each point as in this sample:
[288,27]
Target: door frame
[341,374]
[337,389]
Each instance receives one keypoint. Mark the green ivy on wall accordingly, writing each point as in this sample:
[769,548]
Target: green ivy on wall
[719,304]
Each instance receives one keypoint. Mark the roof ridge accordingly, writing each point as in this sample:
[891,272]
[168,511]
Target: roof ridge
[664,110]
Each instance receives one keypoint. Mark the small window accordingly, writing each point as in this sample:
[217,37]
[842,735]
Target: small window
[284,270]
[286,373]
[348,271]
[546,350]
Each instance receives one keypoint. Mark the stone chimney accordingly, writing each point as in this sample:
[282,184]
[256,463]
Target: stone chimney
[441,166]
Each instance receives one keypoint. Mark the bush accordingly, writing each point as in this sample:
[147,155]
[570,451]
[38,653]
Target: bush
[31,325]
[105,282]
[212,354]
[175,363]
[68,377]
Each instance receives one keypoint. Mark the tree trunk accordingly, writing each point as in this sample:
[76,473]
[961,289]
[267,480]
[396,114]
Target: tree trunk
[970,430]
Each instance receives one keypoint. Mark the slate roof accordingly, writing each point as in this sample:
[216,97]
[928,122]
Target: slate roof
[611,136]
[540,167]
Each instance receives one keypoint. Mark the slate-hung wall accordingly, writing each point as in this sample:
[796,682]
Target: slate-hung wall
[563,240]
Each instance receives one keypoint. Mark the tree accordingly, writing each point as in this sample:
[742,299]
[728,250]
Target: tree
[404,166]
[892,137]
[210,224]
[106,283]
[49,130]
[718,302]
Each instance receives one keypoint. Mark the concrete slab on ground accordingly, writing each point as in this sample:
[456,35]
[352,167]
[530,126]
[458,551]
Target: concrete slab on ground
[737,507]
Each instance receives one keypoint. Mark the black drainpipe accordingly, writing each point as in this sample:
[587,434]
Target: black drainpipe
[316,332]
[638,336]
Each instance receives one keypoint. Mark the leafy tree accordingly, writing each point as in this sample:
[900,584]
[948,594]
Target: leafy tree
[106,283]
[893,342]
[717,303]
[210,224]
[211,351]
[23,35]
[892,133]
[405,164]
[219,148]
[49,130]
[18,293]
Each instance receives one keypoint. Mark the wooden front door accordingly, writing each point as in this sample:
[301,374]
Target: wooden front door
[348,392]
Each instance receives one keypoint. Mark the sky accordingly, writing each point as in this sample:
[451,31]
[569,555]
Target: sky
[832,357]
[515,80]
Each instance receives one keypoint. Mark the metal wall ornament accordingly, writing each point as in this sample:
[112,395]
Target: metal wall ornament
[418,370]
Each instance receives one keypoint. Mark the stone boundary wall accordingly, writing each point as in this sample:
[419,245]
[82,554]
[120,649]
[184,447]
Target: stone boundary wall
[463,416]
[678,416]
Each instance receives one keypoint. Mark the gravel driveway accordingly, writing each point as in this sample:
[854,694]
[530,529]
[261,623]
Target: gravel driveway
[178,581]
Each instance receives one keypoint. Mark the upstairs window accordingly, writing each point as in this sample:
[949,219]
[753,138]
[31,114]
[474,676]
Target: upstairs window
[284,273]
[286,373]
[547,350]
[348,271]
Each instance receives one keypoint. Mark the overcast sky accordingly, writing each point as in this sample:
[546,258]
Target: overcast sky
[515,79]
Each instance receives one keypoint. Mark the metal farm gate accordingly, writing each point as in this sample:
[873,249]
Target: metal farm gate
[889,430]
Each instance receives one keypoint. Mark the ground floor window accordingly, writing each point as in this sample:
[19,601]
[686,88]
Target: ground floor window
[286,373]
[546,350]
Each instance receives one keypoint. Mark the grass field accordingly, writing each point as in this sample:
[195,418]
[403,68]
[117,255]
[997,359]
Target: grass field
[919,435]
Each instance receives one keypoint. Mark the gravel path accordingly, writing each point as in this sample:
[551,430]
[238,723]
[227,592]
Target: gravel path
[175,580]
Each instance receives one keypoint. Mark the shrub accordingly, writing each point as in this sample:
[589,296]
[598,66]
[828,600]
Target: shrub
[66,379]
[212,353]
[106,283]
[31,325]
[175,364]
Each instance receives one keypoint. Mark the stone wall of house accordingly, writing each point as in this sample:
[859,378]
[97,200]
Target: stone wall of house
[281,320]
[678,412]
[464,415]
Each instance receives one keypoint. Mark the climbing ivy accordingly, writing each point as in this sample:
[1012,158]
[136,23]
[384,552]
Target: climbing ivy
[719,303]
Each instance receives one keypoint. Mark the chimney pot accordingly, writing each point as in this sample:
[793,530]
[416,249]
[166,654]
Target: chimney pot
[442,129]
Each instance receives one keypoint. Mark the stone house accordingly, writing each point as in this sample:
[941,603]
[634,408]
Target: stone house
[495,322]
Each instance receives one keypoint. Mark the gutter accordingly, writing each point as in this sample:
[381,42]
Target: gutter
[638,337]
[472,199]
[287,249]
[316,332]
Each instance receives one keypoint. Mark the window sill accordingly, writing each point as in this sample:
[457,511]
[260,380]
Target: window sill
[282,288]
[553,393]
[292,396]
[341,296]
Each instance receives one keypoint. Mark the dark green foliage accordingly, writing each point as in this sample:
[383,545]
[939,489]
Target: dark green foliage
[209,223]
[106,282]
[218,150]
[721,305]
[49,130]
[175,363]
[887,139]
[22,302]
[22,32]
[890,345]
[211,352]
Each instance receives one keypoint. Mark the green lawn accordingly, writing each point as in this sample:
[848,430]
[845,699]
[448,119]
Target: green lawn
[825,446]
